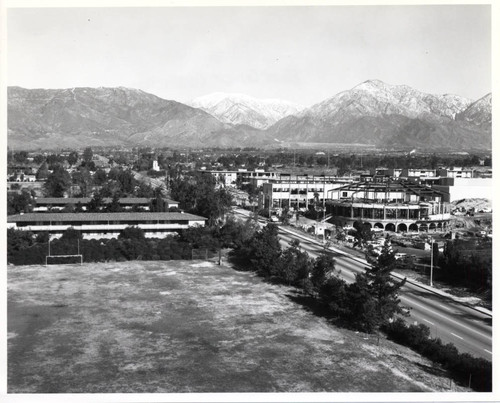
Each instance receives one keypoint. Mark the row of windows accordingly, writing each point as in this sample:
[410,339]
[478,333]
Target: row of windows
[299,191]
[79,223]
[149,231]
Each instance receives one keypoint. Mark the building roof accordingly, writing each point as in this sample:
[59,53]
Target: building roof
[102,217]
[397,185]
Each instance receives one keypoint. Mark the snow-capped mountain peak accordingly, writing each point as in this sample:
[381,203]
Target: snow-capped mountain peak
[237,108]
[376,98]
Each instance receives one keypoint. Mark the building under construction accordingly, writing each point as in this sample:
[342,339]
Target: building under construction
[398,206]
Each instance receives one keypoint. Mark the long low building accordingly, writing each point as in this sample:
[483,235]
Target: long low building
[104,225]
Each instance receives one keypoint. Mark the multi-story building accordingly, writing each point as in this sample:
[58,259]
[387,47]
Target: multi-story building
[299,191]
[226,178]
[231,178]
[104,225]
[455,172]
[393,206]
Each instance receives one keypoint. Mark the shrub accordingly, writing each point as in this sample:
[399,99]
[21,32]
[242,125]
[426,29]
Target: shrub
[462,366]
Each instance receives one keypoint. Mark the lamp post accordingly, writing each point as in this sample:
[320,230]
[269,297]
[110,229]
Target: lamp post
[432,258]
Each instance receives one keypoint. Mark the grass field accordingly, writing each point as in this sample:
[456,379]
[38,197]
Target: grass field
[187,327]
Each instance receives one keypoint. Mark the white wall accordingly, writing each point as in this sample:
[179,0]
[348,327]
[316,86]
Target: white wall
[472,188]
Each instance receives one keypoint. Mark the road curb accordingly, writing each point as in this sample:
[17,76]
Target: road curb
[484,311]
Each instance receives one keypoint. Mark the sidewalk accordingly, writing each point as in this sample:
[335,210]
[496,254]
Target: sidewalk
[349,253]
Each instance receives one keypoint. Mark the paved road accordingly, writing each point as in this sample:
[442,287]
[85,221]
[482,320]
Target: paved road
[469,330]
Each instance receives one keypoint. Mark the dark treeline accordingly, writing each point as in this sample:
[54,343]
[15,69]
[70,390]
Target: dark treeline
[465,369]
[346,162]
[25,248]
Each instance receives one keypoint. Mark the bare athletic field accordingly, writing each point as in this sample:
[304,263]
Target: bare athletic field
[190,326]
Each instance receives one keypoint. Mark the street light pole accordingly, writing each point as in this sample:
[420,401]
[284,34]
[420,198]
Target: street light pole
[432,258]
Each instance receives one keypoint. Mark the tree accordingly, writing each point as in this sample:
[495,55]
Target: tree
[87,155]
[285,218]
[134,233]
[133,243]
[234,233]
[20,157]
[263,251]
[295,265]
[58,182]
[95,204]
[361,309]
[20,202]
[72,158]
[114,206]
[17,241]
[363,234]
[323,267]
[375,292]
[197,194]
[158,203]
[124,178]
[100,177]
[38,159]
[54,160]
[43,172]
[83,180]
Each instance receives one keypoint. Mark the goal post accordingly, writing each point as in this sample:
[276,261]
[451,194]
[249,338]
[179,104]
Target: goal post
[199,254]
[206,254]
[66,258]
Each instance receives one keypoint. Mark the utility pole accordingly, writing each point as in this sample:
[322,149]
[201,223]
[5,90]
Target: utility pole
[432,258]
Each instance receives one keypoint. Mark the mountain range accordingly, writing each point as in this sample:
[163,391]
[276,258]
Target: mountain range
[373,113]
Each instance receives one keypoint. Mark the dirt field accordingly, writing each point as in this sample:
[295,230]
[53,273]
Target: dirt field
[187,327]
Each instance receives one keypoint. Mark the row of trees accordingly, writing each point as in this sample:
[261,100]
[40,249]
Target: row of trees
[118,180]
[368,303]
[346,162]
[24,202]
[466,369]
[25,248]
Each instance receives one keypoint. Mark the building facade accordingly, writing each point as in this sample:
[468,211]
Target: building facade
[299,191]
[396,206]
[104,225]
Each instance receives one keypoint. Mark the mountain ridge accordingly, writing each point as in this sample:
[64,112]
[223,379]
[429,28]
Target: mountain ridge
[372,113]
[380,114]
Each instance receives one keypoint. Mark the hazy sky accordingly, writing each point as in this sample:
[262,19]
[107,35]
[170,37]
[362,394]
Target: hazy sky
[301,54]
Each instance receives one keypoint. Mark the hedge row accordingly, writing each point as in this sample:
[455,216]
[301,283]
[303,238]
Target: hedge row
[466,369]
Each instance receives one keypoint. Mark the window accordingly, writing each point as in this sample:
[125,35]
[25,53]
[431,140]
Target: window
[344,194]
